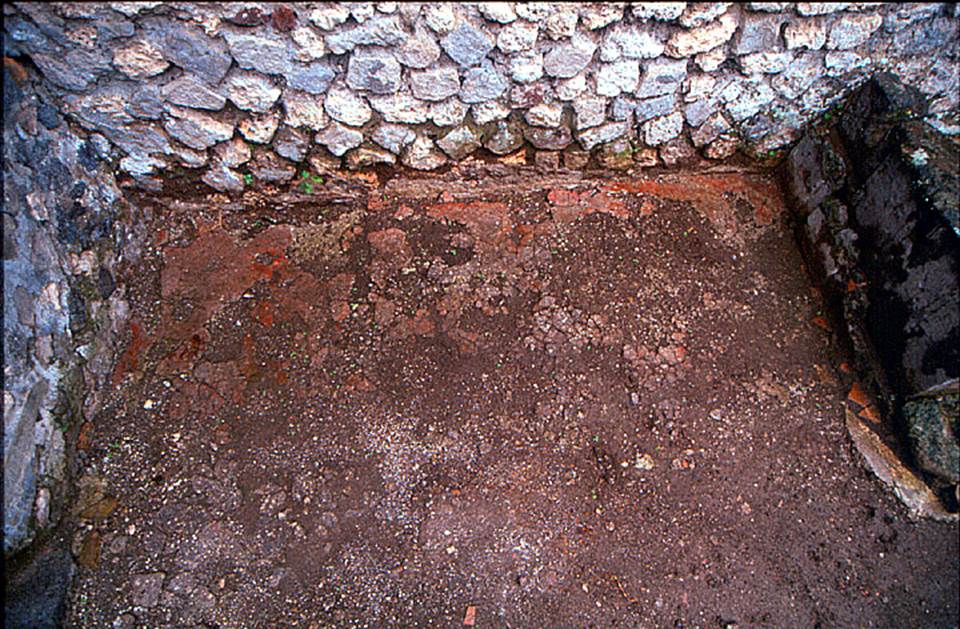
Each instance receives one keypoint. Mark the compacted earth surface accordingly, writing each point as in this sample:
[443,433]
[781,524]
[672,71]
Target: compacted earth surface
[491,399]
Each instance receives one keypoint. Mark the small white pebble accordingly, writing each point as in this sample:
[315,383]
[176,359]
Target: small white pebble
[148,404]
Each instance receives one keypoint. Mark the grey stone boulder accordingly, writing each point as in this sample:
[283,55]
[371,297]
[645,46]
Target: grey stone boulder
[595,136]
[483,83]
[548,139]
[188,47]
[221,178]
[197,130]
[291,144]
[382,30]
[568,58]
[255,51]
[344,106]
[438,83]
[422,154]
[393,137]
[251,91]
[460,142]
[419,51]
[506,138]
[933,428]
[376,71]
[188,91]
[339,139]
[467,45]
[313,78]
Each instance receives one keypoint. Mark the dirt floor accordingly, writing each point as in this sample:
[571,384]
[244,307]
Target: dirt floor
[488,399]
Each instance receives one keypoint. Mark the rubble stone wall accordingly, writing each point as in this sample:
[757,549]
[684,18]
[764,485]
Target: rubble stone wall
[64,224]
[246,92]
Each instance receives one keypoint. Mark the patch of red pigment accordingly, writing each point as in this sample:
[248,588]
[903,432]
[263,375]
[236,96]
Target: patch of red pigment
[130,359]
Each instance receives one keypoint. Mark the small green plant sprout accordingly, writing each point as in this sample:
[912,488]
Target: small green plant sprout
[308,181]
[247,179]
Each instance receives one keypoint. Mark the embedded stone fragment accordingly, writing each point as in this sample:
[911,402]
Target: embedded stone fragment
[146,589]
[599,14]
[654,107]
[382,30]
[712,60]
[189,92]
[467,45]
[758,33]
[257,52]
[309,45]
[765,62]
[197,130]
[517,37]
[401,107]
[188,47]
[692,42]
[501,12]
[534,11]
[619,76]
[259,128]
[660,130]
[699,86]
[712,128]
[363,157]
[853,30]
[568,58]
[393,137]
[545,115]
[139,60]
[339,139]
[571,88]
[436,83]
[448,113]
[251,91]
[482,83]
[440,17]
[313,78]
[800,75]
[630,41]
[595,136]
[746,98]
[820,8]
[699,13]
[839,63]
[506,138]
[769,7]
[232,153]
[304,110]
[419,51]
[346,107]
[291,144]
[422,154]
[663,11]
[376,71]
[549,139]
[590,112]
[810,34]
[329,16]
[526,67]
[562,22]
[459,142]
[489,111]
[662,76]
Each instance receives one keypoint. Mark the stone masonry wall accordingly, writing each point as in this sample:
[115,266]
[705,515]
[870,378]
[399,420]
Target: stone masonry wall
[247,92]
[64,224]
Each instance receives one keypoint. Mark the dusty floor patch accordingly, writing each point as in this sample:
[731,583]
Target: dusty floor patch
[554,402]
